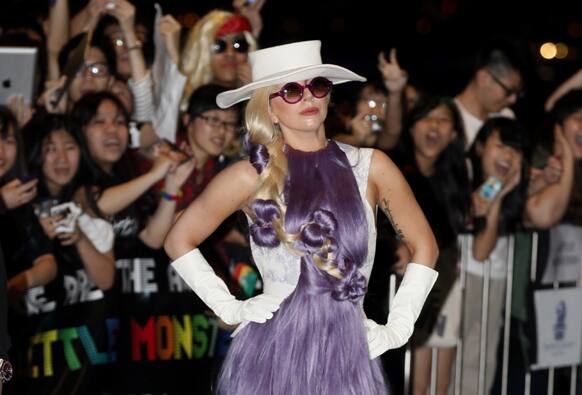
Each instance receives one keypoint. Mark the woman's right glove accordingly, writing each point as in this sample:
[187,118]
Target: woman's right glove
[405,308]
[198,274]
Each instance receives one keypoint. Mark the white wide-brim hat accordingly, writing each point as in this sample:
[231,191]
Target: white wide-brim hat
[286,63]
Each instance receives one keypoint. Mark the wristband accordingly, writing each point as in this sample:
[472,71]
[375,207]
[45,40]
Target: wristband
[169,197]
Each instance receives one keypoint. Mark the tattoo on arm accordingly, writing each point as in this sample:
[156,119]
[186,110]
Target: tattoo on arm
[385,207]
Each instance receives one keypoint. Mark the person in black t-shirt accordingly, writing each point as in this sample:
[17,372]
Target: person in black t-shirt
[431,158]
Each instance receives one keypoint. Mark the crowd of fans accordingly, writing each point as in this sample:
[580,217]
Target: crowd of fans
[124,132]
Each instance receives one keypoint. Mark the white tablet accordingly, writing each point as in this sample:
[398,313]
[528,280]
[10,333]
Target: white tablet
[17,66]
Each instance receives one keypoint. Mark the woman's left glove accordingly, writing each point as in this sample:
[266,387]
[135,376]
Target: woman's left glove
[405,308]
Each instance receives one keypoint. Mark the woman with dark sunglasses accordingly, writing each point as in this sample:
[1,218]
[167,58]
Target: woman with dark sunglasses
[310,204]
[216,51]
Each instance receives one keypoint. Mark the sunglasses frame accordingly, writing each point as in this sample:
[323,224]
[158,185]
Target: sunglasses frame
[239,44]
[282,92]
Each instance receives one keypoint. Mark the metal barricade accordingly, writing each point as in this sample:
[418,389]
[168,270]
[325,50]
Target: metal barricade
[456,381]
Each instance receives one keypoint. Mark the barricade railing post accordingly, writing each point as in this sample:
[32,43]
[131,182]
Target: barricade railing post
[464,247]
[407,369]
[484,321]
[433,370]
[534,257]
[550,381]
[407,358]
[532,277]
[527,384]
[574,369]
[507,318]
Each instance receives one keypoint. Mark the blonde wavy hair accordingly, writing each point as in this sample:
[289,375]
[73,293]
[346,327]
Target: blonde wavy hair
[197,53]
[272,179]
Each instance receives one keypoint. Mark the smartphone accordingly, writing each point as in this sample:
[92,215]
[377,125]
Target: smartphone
[68,212]
[43,208]
[375,122]
[28,177]
[490,188]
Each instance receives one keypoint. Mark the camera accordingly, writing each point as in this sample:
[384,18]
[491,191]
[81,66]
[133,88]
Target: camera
[376,123]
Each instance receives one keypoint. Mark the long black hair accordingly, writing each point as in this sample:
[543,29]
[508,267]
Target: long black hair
[40,128]
[125,169]
[8,122]
[450,181]
[81,115]
[514,135]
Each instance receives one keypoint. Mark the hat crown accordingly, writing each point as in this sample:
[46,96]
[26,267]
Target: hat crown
[282,58]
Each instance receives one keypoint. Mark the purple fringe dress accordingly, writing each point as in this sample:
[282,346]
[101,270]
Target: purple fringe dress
[316,342]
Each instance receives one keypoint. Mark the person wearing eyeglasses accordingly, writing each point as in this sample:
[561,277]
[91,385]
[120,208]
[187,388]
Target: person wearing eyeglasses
[94,73]
[207,130]
[216,51]
[496,85]
[310,204]
[115,20]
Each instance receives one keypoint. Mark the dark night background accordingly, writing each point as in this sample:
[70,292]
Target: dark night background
[436,39]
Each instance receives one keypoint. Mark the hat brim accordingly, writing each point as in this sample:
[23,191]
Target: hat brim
[336,74]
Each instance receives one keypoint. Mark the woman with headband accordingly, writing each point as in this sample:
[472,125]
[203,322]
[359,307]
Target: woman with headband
[216,51]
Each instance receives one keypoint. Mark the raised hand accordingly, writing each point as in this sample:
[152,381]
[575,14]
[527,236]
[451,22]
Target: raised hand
[177,177]
[16,193]
[170,30]
[50,224]
[95,10]
[124,12]
[513,180]
[395,78]
[244,73]
[70,238]
[162,165]
[21,110]
[553,170]
[52,92]
[251,9]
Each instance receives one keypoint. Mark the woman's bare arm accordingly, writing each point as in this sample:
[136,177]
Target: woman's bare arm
[229,191]
[58,35]
[390,191]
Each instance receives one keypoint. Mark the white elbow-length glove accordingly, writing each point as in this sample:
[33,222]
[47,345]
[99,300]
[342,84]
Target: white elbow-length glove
[198,274]
[404,310]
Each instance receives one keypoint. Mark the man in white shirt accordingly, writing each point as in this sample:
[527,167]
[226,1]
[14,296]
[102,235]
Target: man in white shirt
[495,86]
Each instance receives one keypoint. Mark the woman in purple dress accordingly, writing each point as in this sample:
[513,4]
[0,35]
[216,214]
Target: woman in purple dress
[310,203]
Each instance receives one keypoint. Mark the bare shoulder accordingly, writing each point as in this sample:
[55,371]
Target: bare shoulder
[242,173]
[381,166]
[237,183]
